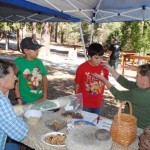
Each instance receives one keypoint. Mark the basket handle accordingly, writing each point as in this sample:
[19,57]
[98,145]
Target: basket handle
[120,108]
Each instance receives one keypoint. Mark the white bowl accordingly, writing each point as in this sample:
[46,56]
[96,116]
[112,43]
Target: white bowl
[52,141]
[32,116]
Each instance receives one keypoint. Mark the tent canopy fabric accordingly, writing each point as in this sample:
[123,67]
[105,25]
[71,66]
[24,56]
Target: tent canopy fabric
[24,11]
[99,11]
[95,11]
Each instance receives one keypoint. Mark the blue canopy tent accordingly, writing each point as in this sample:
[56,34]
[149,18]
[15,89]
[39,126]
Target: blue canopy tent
[100,11]
[92,11]
[24,11]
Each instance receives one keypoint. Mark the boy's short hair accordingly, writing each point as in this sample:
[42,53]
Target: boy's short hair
[95,49]
[29,43]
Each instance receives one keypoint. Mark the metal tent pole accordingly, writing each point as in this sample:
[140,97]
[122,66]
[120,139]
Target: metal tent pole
[6,43]
[83,43]
[91,36]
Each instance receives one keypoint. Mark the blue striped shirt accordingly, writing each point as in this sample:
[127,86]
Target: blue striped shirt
[10,124]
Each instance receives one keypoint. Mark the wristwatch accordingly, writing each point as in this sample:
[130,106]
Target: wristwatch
[18,98]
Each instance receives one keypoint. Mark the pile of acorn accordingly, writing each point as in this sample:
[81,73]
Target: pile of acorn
[144,139]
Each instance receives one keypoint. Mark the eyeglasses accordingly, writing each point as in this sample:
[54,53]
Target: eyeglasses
[34,49]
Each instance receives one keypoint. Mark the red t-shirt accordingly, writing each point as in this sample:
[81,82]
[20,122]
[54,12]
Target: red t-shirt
[91,88]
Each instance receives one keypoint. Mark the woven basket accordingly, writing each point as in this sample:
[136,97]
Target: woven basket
[124,127]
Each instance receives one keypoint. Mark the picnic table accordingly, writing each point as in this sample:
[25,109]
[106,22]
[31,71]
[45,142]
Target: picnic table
[33,140]
[132,56]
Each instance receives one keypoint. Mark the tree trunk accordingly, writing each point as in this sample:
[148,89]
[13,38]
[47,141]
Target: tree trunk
[18,40]
[142,27]
[56,29]
[62,35]
[24,31]
[34,30]
[45,40]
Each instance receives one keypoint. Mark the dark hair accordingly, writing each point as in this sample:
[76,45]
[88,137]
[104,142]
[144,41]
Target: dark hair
[144,70]
[95,49]
[4,67]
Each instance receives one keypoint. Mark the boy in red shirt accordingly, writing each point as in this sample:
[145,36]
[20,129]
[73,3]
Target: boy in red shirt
[91,88]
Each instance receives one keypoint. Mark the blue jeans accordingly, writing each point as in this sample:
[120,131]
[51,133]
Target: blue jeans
[12,146]
[93,110]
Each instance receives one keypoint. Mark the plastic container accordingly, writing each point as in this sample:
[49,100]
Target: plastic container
[74,106]
[32,116]
[56,124]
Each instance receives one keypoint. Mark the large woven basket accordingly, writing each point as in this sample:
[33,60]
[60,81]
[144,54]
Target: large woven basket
[124,127]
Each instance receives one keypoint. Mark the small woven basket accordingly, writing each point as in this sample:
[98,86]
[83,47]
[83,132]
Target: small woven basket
[124,127]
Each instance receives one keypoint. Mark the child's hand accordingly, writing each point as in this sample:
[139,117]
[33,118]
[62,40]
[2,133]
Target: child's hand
[98,76]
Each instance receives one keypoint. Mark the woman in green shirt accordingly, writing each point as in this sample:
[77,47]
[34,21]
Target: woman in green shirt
[138,93]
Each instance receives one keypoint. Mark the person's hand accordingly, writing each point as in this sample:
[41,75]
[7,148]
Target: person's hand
[106,65]
[98,76]
[112,71]
[103,79]
[20,101]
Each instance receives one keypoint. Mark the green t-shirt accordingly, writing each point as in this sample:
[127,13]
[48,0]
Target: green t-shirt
[30,76]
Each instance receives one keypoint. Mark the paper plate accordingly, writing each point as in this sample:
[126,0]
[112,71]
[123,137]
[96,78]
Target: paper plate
[84,122]
[46,105]
[53,134]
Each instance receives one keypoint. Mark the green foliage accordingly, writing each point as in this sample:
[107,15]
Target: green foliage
[130,36]
[38,27]
[113,30]
[86,27]
[73,33]
[2,26]
[135,36]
